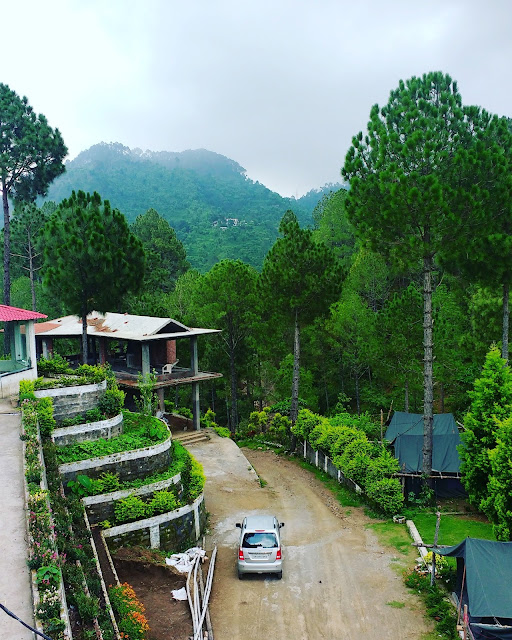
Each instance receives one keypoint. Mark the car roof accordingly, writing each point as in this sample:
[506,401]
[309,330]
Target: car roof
[260,522]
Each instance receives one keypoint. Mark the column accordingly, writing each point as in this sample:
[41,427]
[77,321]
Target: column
[196,412]
[146,369]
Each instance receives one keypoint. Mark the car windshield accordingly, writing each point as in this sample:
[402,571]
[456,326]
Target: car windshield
[254,540]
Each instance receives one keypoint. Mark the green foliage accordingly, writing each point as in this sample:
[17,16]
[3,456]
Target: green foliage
[139,431]
[54,365]
[92,260]
[88,606]
[163,502]
[146,402]
[27,390]
[223,432]
[130,509]
[366,463]
[45,416]
[112,402]
[129,612]
[497,505]
[82,486]
[491,401]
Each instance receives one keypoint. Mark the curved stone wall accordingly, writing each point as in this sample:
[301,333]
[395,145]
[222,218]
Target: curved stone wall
[101,507]
[71,401]
[89,431]
[171,531]
[138,463]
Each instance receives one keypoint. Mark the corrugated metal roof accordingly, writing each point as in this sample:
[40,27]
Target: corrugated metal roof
[8,314]
[122,326]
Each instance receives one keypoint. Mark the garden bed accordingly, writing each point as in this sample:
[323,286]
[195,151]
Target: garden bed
[89,431]
[72,400]
[174,530]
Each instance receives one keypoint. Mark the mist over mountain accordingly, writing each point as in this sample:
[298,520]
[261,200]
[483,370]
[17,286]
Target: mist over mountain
[216,210]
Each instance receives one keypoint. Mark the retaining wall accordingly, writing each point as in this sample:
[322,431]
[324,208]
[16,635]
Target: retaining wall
[101,507]
[89,431]
[71,401]
[171,531]
[128,464]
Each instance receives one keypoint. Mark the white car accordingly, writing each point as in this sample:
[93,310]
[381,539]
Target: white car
[259,548]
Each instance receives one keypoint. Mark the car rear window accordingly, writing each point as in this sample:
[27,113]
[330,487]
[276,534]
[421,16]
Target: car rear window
[254,540]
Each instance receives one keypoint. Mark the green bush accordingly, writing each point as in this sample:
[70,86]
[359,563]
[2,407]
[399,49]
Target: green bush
[184,411]
[27,390]
[197,480]
[53,366]
[223,432]
[387,493]
[93,415]
[88,606]
[130,509]
[112,402]
[45,416]
[162,502]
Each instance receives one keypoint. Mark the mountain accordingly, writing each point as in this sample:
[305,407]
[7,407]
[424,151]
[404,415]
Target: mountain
[216,210]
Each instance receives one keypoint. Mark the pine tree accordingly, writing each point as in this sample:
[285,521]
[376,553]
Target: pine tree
[92,260]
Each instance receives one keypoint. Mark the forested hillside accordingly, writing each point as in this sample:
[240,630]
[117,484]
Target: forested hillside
[216,211]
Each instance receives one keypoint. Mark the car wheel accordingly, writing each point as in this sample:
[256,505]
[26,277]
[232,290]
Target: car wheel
[279,575]
[240,575]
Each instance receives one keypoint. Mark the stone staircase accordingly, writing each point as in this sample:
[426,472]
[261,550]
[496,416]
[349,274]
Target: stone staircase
[191,437]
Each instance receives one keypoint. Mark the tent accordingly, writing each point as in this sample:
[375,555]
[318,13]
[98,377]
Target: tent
[484,569]
[405,432]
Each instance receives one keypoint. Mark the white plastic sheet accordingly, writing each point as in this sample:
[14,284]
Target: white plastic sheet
[184,561]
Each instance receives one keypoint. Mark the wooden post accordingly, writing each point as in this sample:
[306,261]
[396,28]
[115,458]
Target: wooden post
[466,621]
[433,575]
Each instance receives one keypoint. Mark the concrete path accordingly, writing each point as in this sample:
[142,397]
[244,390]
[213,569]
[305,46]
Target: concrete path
[15,591]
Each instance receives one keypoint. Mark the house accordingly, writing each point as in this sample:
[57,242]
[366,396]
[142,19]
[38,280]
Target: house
[135,345]
[22,364]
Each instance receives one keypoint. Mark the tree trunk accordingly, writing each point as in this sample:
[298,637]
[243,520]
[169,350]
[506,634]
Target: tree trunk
[7,246]
[7,267]
[406,398]
[506,318]
[294,410]
[358,401]
[85,346]
[234,385]
[31,271]
[428,377]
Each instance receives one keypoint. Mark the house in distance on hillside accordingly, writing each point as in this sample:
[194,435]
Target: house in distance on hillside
[135,345]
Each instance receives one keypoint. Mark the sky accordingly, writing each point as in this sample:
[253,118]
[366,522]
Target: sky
[279,86]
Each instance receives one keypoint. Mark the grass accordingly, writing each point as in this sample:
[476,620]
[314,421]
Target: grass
[395,536]
[453,529]
[396,604]
[344,496]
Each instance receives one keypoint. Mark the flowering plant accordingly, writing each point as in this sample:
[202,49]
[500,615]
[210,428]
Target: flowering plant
[132,623]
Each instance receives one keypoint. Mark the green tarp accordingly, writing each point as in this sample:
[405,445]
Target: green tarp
[488,575]
[405,432]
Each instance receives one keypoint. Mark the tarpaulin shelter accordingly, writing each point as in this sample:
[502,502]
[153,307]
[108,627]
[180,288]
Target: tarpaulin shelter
[405,432]
[484,570]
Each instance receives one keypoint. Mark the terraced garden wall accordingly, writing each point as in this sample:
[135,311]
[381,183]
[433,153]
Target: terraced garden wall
[169,531]
[106,429]
[72,401]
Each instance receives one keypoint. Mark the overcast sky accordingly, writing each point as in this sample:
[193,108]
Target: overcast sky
[279,86]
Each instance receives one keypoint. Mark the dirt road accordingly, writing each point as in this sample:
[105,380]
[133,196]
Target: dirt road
[337,580]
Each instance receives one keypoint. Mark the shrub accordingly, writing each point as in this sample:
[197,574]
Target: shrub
[130,509]
[162,502]
[387,493]
[112,402]
[223,432]
[45,416]
[185,412]
[108,482]
[306,422]
[88,606]
[53,366]
[208,419]
[93,415]
[27,390]
[197,480]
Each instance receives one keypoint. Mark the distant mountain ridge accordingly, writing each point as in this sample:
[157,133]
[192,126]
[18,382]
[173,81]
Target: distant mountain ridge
[199,192]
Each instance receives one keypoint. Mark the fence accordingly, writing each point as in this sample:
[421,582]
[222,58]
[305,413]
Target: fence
[321,461]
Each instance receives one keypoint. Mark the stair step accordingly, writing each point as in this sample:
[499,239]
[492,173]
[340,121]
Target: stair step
[191,437]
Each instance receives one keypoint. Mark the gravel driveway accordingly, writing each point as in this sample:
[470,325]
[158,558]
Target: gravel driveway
[337,579]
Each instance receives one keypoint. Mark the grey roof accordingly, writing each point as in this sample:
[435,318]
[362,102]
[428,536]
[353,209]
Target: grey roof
[120,326]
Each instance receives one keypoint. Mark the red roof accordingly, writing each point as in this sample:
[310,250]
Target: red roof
[8,314]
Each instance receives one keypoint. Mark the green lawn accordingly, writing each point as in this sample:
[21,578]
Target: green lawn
[452,530]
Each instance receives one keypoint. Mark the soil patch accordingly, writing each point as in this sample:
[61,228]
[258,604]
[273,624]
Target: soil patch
[168,619]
